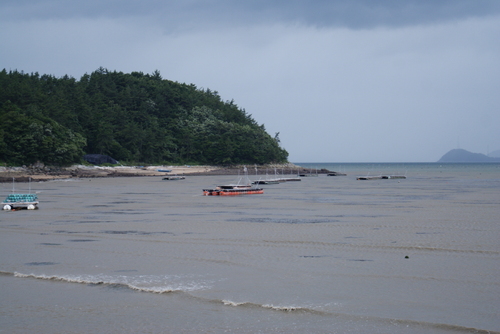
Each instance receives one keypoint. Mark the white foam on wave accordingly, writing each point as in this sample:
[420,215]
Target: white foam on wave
[267,306]
[59,278]
[231,303]
[282,308]
[290,308]
[143,283]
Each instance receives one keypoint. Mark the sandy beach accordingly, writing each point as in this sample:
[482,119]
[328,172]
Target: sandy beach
[44,173]
[21,174]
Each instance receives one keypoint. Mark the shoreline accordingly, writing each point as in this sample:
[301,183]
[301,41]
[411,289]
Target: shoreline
[46,173]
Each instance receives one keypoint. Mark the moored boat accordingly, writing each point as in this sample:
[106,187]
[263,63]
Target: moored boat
[369,178]
[249,191]
[266,182]
[393,177]
[211,192]
[17,201]
[232,192]
[242,187]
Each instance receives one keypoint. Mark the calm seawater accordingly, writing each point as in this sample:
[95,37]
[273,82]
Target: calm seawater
[323,255]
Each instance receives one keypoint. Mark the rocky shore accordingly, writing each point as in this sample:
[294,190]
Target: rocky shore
[40,172]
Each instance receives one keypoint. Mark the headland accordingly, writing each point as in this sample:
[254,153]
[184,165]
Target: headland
[39,173]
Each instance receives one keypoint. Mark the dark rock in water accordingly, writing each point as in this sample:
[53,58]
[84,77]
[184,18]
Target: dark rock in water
[460,155]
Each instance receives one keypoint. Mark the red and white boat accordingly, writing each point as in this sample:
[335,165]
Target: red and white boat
[232,192]
[243,187]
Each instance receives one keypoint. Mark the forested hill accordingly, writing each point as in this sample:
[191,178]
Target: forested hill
[134,118]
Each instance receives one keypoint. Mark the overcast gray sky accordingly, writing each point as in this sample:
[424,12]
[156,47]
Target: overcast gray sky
[340,80]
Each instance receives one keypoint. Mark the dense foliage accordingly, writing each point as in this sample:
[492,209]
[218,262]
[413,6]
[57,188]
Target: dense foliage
[132,117]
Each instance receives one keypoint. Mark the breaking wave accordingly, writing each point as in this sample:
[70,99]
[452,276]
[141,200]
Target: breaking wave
[142,283]
[405,323]
[289,308]
[171,284]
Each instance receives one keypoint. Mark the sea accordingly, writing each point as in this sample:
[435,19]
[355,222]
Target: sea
[326,254]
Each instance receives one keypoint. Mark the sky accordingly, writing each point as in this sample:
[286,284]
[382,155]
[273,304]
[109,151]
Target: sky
[339,80]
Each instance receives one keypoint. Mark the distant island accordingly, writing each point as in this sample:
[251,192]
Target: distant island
[461,155]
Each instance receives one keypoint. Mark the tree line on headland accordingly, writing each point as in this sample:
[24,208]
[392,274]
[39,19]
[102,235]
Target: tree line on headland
[134,118]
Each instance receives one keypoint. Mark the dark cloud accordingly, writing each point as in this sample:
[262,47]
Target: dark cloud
[196,14]
[370,13]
